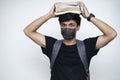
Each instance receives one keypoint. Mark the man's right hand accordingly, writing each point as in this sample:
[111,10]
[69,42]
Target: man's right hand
[51,13]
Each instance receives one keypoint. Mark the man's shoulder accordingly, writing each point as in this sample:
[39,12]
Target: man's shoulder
[50,41]
[90,43]
[88,40]
[50,38]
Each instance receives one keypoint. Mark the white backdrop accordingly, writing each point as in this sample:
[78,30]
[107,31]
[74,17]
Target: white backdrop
[22,59]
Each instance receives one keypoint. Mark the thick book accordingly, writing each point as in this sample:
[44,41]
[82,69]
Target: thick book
[67,7]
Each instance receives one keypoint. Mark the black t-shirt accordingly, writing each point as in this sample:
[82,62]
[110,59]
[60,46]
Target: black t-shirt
[68,65]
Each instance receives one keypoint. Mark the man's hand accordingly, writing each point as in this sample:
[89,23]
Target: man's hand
[84,10]
[51,13]
[52,10]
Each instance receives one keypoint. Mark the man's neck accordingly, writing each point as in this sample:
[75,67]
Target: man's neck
[69,42]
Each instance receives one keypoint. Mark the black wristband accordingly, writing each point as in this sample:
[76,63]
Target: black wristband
[90,16]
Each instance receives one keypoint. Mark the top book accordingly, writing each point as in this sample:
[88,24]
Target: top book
[67,7]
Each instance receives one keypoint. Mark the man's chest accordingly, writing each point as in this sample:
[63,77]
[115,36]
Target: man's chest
[68,55]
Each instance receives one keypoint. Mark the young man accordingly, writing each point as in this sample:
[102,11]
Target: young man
[68,65]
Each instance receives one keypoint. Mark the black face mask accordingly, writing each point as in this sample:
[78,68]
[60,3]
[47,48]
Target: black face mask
[68,33]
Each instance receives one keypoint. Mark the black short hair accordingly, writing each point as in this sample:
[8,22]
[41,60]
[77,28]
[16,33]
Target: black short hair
[70,16]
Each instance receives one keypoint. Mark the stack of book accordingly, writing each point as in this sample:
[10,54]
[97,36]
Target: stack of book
[67,7]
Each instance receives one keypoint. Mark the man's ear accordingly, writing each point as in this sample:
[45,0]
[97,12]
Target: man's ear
[78,27]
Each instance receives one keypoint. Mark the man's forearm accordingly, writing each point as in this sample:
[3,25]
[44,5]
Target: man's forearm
[105,28]
[37,23]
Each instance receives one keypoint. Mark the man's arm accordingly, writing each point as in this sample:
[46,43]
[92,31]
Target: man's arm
[31,29]
[108,32]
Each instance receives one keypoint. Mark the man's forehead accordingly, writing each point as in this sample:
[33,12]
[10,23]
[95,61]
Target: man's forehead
[68,22]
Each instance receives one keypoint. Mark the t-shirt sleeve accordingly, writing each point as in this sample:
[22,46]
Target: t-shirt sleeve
[90,45]
[49,45]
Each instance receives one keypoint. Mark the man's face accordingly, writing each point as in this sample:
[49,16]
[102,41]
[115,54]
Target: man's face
[68,29]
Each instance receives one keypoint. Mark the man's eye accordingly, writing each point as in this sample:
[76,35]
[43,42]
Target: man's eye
[62,25]
[72,25]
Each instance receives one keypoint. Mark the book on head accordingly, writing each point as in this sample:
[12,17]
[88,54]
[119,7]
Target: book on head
[67,7]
